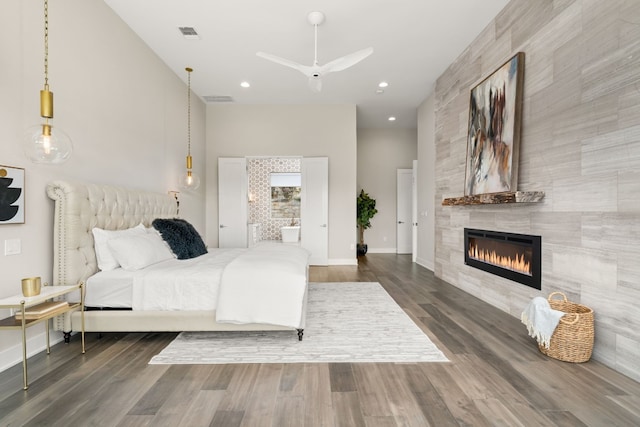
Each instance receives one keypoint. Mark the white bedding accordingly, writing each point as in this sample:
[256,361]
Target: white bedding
[265,285]
[162,286]
[190,284]
[109,289]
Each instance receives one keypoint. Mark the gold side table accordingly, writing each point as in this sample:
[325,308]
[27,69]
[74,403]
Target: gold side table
[20,304]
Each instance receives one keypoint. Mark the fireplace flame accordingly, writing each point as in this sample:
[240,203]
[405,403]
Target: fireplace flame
[515,263]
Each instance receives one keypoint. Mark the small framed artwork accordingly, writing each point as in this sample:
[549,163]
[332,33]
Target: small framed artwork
[493,140]
[11,195]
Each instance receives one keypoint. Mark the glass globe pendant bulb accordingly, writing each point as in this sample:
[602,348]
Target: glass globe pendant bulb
[189,181]
[44,143]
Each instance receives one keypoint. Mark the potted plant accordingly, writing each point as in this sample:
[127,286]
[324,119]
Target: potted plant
[366,211]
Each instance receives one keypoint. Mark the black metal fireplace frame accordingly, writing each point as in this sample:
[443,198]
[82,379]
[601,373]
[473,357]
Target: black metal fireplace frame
[534,281]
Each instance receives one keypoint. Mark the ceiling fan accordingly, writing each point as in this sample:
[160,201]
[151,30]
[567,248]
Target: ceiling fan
[315,72]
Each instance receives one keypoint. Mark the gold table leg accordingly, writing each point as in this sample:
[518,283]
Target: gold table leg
[24,348]
[47,330]
[82,313]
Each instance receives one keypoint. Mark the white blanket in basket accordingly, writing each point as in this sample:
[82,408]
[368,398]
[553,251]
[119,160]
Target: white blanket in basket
[541,320]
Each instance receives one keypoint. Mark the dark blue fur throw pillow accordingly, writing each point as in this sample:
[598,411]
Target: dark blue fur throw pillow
[182,238]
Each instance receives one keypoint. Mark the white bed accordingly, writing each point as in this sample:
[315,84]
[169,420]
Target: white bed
[262,288]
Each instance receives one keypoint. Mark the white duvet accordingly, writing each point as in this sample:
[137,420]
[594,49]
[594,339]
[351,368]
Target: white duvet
[191,284]
[266,284]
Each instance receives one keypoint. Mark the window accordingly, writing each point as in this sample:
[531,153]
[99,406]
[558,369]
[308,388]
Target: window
[285,194]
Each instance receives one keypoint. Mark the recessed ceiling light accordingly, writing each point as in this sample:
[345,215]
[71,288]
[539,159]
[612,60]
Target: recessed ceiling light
[245,84]
[379,91]
[383,84]
[392,119]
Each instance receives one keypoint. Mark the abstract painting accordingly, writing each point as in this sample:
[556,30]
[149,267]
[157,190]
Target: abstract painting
[493,139]
[11,195]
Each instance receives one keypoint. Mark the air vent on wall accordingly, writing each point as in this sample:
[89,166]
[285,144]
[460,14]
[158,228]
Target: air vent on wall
[189,33]
[217,98]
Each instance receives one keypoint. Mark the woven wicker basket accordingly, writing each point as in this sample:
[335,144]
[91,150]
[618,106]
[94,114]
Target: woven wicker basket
[572,340]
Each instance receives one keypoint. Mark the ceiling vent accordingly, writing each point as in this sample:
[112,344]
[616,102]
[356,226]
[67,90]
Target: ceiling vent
[189,33]
[217,98]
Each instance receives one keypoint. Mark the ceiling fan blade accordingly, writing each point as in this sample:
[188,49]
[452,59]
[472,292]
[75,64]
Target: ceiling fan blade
[347,61]
[285,62]
[315,72]
[315,84]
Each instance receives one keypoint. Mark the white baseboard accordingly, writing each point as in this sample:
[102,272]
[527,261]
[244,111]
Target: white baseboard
[13,355]
[381,250]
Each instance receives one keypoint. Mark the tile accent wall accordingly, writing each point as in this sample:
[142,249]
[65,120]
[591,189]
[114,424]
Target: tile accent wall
[580,144]
[259,171]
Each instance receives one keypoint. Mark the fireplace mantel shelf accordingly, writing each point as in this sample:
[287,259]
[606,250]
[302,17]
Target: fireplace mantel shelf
[496,198]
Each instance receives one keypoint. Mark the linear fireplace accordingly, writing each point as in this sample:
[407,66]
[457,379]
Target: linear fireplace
[513,256]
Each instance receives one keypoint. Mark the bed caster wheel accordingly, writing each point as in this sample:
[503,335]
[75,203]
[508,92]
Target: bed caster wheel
[300,332]
[67,337]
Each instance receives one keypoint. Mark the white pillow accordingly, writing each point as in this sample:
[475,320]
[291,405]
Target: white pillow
[157,233]
[106,260]
[138,251]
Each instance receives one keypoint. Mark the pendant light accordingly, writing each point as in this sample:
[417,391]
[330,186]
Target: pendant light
[189,181]
[44,143]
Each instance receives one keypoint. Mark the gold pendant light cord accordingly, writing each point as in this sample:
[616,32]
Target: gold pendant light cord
[46,96]
[46,44]
[189,70]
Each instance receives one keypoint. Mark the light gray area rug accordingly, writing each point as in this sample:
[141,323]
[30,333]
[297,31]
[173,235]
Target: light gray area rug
[346,322]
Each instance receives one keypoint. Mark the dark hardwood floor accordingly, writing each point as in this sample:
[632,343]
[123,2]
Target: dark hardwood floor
[496,376]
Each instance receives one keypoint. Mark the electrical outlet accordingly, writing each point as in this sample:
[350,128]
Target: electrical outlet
[12,247]
[352,247]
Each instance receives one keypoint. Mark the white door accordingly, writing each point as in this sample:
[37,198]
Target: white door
[414,213]
[232,202]
[314,209]
[404,228]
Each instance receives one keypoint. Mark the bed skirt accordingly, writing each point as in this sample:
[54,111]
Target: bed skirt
[159,321]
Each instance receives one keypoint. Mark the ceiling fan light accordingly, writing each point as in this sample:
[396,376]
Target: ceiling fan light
[315,18]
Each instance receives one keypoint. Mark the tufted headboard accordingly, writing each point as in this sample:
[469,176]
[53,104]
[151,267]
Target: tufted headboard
[80,207]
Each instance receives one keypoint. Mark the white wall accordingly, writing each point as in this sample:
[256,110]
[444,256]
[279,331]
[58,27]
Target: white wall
[381,152]
[426,182]
[123,108]
[290,130]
